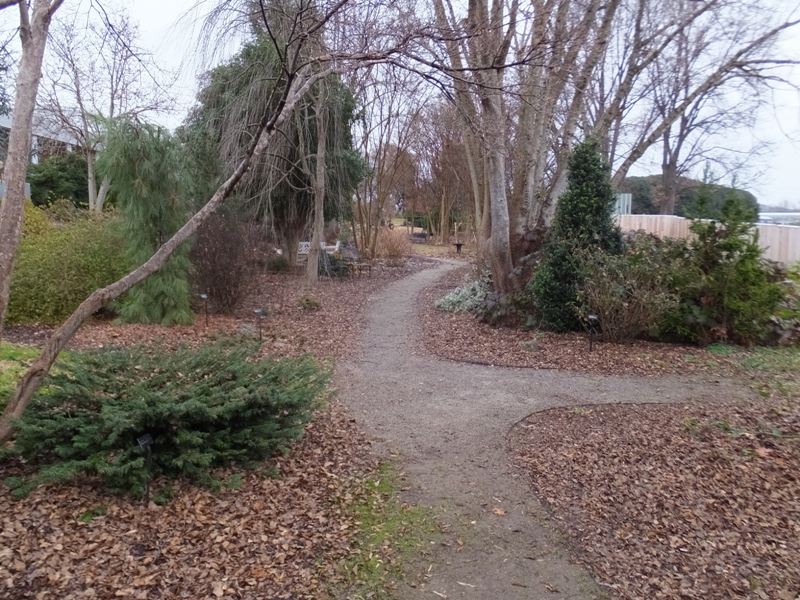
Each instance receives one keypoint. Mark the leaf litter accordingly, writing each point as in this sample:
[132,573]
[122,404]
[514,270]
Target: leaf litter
[281,531]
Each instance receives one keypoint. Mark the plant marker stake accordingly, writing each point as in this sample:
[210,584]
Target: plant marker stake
[205,306]
[145,442]
[259,313]
[593,320]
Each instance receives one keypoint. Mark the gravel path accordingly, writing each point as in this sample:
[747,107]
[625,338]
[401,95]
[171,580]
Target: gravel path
[446,424]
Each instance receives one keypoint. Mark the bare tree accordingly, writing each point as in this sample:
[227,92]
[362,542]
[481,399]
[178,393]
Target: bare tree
[720,43]
[392,101]
[33,28]
[557,45]
[95,74]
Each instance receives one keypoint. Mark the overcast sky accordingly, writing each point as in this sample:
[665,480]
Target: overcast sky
[170,30]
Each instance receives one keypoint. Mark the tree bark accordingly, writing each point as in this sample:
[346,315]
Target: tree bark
[318,183]
[33,34]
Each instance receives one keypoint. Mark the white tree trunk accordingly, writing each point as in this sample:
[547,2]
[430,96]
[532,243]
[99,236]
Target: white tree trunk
[33,34]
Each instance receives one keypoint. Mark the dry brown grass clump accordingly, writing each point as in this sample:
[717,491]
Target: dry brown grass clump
[392,245]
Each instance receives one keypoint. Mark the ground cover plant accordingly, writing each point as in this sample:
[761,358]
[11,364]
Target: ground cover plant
[206,407]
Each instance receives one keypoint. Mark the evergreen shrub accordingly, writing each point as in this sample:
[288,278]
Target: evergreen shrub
[148,177]
[724,287]
[205,408]
[56,270]
[582,223]
[630,293]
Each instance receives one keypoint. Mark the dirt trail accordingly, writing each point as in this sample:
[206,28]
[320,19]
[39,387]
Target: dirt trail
[447,424]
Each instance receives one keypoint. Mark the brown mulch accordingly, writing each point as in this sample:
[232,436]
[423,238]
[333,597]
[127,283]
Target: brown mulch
[288,329]
[675,501]
[461,337]
[272,538]
[660,501]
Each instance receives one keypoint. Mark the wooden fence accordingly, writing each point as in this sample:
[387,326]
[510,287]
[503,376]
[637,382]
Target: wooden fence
[780,242]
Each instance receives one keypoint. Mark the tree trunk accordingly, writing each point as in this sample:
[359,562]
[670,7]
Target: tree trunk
[91,182]
[669,178]
[33,34]
[499,242]
[102,194]
[318,183]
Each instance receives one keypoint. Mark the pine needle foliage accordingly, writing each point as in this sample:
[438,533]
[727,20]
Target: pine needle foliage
[724,287]
[205,408]
[582,222]
[145,166]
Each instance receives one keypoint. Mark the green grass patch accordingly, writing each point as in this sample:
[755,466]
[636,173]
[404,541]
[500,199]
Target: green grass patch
[773,360]
[720,349]
[393,534]
[14,360]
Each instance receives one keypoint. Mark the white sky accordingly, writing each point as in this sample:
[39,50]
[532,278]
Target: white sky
[170,30]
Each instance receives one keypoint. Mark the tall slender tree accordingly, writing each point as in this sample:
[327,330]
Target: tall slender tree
[33,28]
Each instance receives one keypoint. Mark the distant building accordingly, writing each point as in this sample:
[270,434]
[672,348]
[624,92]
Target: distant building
[46,141]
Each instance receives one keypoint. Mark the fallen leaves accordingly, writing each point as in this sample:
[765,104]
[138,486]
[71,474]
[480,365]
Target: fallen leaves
[461,337]
[665,501]
[273,538]
[287,330]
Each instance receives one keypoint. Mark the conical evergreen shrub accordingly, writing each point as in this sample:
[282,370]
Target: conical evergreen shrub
[583,222]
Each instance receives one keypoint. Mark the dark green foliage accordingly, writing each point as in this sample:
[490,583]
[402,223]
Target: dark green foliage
[584,212]
[646,192]
[221,256]
[56,270]
[724,289]
[60,176]
[554,287]
[279,264]
[582,223]
[331,266]
[208,407]
[146,168]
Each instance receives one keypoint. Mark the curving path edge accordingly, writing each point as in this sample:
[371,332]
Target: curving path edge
[446,425]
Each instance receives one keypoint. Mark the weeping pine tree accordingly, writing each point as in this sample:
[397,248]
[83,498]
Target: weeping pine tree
[144,163]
